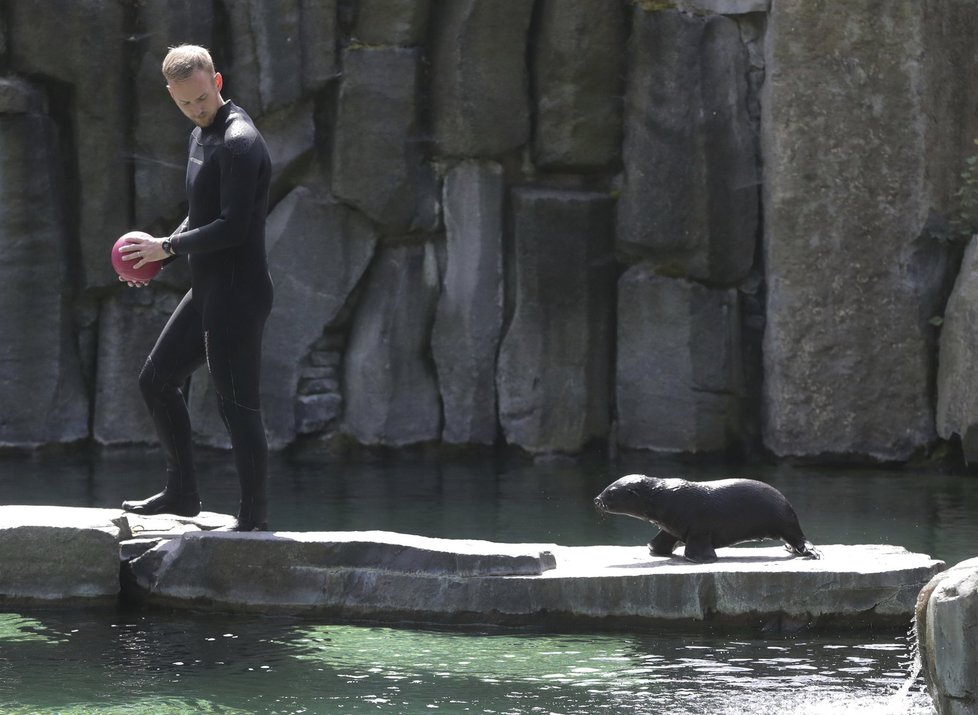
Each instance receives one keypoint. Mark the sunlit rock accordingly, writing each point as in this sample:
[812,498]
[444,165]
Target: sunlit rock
[856,153]
[947,637]
[957,391]
[50,553]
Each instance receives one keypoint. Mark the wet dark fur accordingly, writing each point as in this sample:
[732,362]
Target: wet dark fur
[706,515]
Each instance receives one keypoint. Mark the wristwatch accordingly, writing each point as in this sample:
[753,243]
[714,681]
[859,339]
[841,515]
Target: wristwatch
[166,247]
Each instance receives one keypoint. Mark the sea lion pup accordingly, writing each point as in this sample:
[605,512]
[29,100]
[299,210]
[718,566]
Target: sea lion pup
[706,515]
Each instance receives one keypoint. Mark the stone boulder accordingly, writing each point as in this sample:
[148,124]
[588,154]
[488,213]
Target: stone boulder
[479,83]
[578,65]
[376,156]
[679,379]
[947,637]
[402,23]
[50,553]
[957,393]
[292,569]
[131,321]
[857,154]
[389,381]
[318,250]
[90,105]
[690,196]
[160,131]
[554,363]
[42,394]
[469,318]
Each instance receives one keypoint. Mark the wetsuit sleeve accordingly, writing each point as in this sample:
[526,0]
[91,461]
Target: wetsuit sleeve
[179,229]
[242,161]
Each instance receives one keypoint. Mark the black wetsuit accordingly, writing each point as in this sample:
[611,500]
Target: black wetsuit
[221,319]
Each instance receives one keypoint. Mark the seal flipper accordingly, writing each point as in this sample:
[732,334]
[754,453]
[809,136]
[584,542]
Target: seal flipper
[805,549]
[663,544]
[699,549]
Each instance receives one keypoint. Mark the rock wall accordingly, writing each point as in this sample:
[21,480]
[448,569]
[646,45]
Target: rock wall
[543,224]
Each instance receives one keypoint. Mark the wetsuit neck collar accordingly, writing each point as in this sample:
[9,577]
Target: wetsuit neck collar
[220,119]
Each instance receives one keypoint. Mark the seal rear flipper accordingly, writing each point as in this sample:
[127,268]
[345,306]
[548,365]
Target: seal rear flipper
[699,549]
[663,544]
[804,549]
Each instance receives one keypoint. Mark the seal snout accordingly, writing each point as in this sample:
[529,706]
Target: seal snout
[599,504]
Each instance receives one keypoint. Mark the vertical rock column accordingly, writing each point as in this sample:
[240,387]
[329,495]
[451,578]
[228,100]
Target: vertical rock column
[679,380]
[690,193]
[41,392]
[555,360]
[469,319]
[853,148]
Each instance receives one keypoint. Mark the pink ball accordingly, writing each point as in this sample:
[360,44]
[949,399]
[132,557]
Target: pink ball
[125,269]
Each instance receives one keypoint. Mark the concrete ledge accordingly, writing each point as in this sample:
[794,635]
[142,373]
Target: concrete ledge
[54,554]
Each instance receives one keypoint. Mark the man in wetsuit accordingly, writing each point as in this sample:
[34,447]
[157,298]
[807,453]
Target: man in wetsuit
[221,319]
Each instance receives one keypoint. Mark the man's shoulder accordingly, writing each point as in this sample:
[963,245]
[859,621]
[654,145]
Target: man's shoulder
[240,133]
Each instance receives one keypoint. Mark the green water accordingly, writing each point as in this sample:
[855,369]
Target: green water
[119,661]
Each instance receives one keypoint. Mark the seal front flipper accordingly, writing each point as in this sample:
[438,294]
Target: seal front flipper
[699,549]
[663,544]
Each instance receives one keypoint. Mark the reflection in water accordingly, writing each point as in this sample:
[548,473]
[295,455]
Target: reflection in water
[158,662]
[173,663]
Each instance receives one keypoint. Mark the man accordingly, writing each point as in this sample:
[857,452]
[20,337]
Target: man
[221,319]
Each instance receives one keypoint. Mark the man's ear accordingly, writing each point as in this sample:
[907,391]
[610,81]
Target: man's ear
[219,81]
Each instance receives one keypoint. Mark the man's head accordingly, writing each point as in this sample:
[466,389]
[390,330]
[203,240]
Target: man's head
[193,84]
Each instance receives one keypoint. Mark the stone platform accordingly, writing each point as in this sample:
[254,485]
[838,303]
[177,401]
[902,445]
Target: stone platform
[57,554]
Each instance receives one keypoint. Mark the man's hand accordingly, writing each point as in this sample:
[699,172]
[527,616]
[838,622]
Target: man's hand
[142,250]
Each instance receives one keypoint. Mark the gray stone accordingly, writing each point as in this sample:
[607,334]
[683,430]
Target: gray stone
[376,155]
[318,250]
[313,413]
[266,53]
[397,578]
[957,393]
[42,394]
[131,321]
[391,22]
[160,130]
[846,206]
[947,638]
[389,383]
[469,318]
[578,66]
[690,192]
[290,134]
[479,83]
[92,110]
[679,381]
[725,7]
[50,553]
[317,32]
[555,359]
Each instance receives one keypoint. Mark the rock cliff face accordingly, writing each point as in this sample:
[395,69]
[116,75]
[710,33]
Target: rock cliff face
[544,224]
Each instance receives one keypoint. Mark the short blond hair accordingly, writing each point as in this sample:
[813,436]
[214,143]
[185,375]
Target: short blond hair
[183,60]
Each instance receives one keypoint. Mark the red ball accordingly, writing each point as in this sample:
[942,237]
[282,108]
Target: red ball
[126,269]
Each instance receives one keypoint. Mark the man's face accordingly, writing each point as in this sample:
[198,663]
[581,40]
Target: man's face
[198,96]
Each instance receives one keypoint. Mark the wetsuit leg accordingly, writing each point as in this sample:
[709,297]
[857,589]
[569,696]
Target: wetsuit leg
[177,353]
[234,362]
